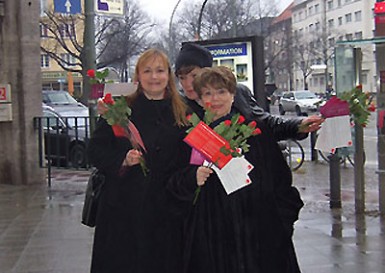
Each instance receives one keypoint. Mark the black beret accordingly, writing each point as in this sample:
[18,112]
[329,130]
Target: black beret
[193,54]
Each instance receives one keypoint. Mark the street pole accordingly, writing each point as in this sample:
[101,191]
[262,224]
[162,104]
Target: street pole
[200,20]
[359,174]
[335,181]
[89,57]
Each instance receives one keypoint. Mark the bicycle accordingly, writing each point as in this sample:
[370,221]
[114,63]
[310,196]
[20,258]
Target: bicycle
[345,154]
[293,152]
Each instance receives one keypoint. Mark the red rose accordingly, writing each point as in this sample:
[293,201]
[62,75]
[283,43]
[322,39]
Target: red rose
[227,122]
[252,124]
[257,131]
[107,99]
[372,108]
[207,105]
[91,73]
[189,117]
[359,86]
[241,119]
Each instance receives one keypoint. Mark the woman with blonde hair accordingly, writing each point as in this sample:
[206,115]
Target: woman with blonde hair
[135,225]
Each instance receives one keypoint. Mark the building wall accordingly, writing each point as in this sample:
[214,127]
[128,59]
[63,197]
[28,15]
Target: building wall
[54,77]
[345,20]
[19,67]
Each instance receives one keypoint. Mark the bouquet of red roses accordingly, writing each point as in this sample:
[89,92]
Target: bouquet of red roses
[220,144]
[117,114]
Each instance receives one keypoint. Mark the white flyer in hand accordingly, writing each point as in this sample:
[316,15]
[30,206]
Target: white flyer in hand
[234,175]
[334,133]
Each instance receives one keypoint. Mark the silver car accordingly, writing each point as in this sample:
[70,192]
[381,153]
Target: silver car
[301,102]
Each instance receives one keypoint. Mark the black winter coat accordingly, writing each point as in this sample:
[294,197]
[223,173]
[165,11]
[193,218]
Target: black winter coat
[135,227]
[248,231]
[246,104]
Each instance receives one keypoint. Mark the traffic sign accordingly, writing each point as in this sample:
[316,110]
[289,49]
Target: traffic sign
[67,6]
[109,7]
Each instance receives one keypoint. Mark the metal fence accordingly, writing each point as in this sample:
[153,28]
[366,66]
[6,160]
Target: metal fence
[62,142]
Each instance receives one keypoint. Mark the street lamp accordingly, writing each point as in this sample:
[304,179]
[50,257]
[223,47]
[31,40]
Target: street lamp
[200,20]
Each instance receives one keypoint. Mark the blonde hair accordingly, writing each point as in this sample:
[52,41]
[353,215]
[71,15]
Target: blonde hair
[218,77]
[178,106]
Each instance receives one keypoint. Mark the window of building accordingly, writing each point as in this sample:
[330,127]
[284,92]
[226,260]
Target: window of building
[341,38]
[349,36]
[322,81]
[317,26]
[358,35]
[331,23]
[66,30]
[44,60]
[315,82]
[358,16]
[364,78]
[330,4]
[332,42]
[300,15]
[43,30]
[316,8]
[68,60]
[340,21]
[348,18]
[310,10]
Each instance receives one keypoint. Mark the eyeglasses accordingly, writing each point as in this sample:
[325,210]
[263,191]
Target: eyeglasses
[219,93]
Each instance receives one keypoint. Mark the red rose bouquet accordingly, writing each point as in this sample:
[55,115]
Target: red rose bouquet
[226,140]
[117,114]
[360,104]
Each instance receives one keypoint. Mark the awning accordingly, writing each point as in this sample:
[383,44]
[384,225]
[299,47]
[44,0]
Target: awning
[377,40]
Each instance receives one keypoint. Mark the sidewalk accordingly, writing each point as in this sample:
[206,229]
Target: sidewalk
[40,230]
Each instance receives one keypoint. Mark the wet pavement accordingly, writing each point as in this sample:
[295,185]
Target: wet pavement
[40,229]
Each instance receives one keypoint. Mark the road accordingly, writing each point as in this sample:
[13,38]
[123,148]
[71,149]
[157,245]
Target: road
[370,138]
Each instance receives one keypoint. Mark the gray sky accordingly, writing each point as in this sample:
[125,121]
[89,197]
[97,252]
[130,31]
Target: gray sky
[162,9]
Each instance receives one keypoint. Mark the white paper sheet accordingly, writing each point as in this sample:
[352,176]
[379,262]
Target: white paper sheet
[234,175]
[334,133]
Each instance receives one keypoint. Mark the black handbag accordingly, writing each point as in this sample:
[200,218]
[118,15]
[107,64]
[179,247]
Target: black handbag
[91,201]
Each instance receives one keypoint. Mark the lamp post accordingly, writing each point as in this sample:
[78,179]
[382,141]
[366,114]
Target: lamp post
[200,20]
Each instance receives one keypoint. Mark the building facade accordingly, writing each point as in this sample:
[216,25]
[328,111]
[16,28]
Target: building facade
[61,43]
[318,26]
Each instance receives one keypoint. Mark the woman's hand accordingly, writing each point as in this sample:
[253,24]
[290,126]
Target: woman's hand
[202,174]
[132,158]
[101,107]
[310,124]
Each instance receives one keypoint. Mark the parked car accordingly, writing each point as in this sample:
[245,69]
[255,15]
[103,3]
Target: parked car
[62,102]
[65,137]
[301,102]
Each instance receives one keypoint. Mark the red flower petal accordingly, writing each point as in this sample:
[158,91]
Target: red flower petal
[91,73]
[227,122]
[189,117]
[107,99]
[257,131]
[252,124]
[241,119]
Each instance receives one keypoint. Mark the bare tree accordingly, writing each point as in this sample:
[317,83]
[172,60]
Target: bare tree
[125,38]
[304,54]
[116,39]
[62,41]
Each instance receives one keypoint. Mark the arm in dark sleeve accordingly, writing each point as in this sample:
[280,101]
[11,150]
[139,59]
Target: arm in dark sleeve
[105,151]
[281,128]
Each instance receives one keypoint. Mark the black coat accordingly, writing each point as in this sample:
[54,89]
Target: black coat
[135,224]
[246,104]
[248,231]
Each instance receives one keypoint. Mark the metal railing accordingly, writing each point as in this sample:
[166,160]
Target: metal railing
[62,142]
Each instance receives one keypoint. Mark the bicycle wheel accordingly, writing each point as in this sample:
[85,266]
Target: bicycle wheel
[326,157]
[351,159]
[295,154]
